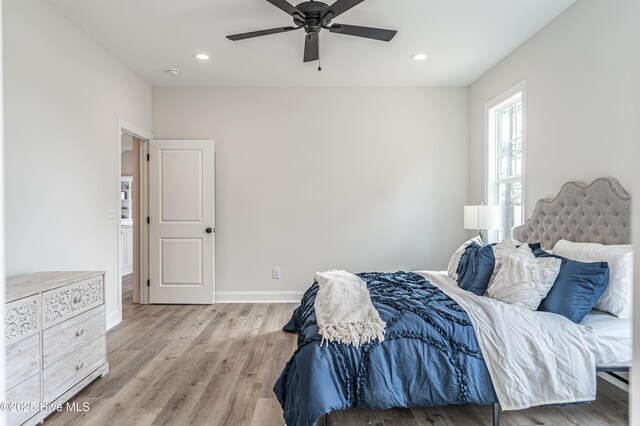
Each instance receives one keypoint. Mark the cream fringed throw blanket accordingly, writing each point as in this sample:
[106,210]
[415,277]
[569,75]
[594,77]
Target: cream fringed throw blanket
[344,311]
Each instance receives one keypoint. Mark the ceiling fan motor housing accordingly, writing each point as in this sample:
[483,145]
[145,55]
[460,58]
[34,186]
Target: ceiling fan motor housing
[312,21]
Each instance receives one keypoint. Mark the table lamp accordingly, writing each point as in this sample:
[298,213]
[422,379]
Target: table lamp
[481,217]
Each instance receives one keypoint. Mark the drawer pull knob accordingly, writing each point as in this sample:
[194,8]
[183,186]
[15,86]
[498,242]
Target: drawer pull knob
[77,298]
[79,332]
[80,365]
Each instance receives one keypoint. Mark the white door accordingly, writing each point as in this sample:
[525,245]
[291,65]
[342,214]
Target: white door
[182,225]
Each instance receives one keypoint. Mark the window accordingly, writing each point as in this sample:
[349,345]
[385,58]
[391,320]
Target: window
[505,152]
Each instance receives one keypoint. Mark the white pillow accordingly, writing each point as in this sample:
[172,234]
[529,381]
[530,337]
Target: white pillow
[524,281]
[503,250]
[617,297]
[457,255]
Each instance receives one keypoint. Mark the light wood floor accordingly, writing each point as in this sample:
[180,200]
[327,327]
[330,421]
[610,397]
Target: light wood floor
[216,365]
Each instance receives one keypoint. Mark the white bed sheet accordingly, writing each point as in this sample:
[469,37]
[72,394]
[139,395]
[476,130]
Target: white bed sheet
[550,365]
[609,338]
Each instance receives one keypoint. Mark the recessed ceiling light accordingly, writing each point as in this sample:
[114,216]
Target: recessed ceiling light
[419,56]
[201,56]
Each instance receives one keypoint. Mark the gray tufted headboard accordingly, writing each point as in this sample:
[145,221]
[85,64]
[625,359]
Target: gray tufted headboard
[594,213]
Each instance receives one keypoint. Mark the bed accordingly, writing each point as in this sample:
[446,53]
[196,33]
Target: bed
[595,213]
[432,354]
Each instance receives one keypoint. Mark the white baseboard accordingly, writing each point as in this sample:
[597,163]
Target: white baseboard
[258,296]
[113,318]
[618,383]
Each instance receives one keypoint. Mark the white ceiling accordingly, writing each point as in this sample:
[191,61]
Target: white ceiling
[463,38]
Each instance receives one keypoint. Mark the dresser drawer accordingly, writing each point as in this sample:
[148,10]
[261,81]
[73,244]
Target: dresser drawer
[23,360]
[65,302]
[25,393]
[64,374]
[64,338]
[21,319]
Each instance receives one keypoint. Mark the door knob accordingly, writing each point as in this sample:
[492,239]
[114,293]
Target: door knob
[209,230]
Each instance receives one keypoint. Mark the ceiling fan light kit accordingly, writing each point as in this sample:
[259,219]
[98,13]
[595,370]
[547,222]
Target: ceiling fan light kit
[313,16]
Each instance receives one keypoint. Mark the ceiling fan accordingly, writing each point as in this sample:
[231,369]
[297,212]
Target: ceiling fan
[313,16]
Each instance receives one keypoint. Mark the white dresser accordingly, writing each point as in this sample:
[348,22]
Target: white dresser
[55,336]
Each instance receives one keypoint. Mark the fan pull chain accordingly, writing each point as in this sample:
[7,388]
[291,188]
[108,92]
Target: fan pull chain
[319,60]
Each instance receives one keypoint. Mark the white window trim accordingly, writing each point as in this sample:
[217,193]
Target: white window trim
[490,193]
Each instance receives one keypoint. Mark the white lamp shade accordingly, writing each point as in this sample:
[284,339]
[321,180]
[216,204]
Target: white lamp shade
[482,217]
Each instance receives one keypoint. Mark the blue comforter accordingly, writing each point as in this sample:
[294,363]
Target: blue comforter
[430,356]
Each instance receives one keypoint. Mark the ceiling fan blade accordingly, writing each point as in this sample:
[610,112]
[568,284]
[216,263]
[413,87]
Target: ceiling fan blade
[366,32]
[311,50]
[243,36]
[339,7]
[287,7]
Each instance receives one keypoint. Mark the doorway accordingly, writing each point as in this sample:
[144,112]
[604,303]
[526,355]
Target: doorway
[131,206]
[176,235]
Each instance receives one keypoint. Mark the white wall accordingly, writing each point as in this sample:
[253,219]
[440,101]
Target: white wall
[63,96]
[580,115]
[2,241]
[311,179]
[634,397]
[126,165]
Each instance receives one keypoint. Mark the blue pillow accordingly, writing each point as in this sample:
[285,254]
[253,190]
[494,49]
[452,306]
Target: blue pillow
[577,288]
[475,268]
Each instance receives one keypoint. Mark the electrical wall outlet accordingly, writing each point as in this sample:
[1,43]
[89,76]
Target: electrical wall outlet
[275,273]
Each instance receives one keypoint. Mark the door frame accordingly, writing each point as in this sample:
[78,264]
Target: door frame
[124,126]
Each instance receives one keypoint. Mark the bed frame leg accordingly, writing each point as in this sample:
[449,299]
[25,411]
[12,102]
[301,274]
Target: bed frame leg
[496,414]
[328,421]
